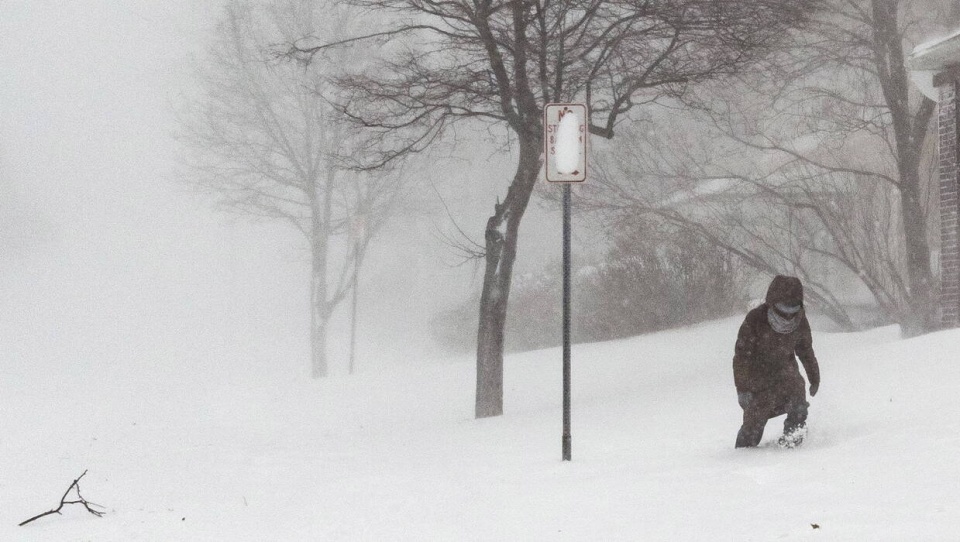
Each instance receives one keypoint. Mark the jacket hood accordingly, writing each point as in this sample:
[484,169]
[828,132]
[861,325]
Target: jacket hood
[783,289]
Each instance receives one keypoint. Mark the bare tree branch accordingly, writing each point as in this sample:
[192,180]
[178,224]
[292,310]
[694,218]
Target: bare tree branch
[75,487]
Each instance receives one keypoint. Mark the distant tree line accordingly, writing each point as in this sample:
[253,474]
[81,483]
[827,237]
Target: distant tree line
[654,276]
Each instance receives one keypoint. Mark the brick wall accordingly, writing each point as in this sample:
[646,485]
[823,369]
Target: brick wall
[949,240]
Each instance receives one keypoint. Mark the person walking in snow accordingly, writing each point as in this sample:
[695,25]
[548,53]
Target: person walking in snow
[765,370]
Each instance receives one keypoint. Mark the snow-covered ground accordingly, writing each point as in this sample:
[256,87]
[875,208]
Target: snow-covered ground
[210,452]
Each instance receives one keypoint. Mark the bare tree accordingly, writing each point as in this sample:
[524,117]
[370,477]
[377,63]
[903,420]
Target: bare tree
[829,146]
[796,222]
[500,62]
[264,142]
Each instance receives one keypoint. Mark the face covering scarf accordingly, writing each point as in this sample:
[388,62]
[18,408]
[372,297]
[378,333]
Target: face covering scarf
[781,324]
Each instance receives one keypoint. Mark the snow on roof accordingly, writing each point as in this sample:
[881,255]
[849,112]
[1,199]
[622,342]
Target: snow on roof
[718,188]
[937,53]
[706,188]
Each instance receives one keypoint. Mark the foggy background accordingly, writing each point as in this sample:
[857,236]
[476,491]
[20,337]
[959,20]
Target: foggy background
[107,258]
[163,346]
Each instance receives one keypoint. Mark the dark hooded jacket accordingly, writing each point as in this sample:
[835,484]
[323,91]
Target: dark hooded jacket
[764,362]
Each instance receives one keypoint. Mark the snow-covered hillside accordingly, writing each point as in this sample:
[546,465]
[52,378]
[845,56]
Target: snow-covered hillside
[193,454]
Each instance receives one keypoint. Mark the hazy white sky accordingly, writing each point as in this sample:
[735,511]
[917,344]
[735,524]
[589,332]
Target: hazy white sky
[86,88]
[106,258]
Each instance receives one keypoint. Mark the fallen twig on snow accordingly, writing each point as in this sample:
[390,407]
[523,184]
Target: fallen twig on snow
[63,502]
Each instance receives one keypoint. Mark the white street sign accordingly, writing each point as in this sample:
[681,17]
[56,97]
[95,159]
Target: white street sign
[565,142]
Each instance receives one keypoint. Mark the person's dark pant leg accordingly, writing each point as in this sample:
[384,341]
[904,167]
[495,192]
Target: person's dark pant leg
[796,415]
[754,420]
[749,435]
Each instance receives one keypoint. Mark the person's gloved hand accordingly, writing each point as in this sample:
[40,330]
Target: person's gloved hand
[744,399]
[814,386]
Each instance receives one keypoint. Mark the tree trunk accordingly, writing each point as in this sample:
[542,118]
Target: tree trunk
[909,131]
[353,307]
[501,252]
[922,316]
[320,309]
[318,313]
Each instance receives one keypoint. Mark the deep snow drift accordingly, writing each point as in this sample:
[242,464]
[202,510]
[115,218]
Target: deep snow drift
[214,452]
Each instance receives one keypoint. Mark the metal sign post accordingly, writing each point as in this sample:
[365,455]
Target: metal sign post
[567,439]
[565,152]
